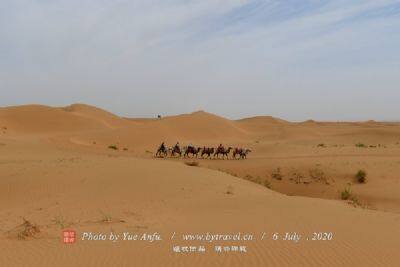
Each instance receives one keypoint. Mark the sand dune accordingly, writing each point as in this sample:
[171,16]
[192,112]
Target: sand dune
[202,125]
[43,119]
[108,119]
[57,171]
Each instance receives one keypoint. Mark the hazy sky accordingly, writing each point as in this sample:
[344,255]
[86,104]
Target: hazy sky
[319,59]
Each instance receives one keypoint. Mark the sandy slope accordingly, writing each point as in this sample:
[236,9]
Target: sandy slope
[57,171]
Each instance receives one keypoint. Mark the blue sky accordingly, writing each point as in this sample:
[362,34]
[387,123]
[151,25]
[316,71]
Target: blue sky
[325,60]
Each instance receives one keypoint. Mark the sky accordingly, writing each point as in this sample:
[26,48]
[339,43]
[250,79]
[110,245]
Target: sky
[296,60]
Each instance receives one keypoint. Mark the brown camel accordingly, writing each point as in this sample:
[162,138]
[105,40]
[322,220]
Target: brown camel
[207,151]
[224,152]
[191,150]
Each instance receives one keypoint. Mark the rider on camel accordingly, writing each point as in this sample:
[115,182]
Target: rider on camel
[162,147]
[176,147]
[190,146]
[220,147]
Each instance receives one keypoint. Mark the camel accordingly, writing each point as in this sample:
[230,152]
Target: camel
[244,152]
[207,151]
[162,151]
[223,151]
[191,150]
[236,151]
[176,150]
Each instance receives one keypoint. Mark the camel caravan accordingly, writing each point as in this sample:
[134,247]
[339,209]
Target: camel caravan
[204,152]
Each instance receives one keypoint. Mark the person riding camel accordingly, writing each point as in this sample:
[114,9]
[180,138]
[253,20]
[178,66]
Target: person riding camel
[162,147]
[220,147]
[176,147]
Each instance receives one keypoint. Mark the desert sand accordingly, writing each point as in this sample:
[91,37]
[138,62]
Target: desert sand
[57,172]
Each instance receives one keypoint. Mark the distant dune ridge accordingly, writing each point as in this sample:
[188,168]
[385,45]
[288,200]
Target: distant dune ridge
[41,118]
[82,117]
[57,171]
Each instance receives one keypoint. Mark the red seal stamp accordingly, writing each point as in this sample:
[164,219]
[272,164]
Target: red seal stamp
[69,236]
